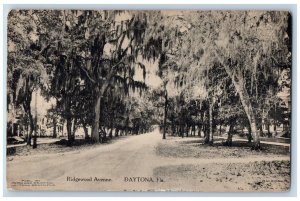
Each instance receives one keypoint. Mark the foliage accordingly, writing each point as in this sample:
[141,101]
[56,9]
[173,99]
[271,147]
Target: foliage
[217,68]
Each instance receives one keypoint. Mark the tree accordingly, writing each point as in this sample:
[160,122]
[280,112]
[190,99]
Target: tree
[53,118]
[25,73]
[259,33]
[124,38]
[92,46]
[240,43]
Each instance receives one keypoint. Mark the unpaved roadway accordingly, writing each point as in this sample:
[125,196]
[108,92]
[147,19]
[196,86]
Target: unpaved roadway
[127,164]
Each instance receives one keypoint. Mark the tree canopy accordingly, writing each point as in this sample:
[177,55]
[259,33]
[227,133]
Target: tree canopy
[216,68]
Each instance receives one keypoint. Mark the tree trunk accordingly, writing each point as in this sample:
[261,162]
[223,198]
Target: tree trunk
[166,112]
[238,83]
[27,109]
[96,120]
[211,137]
[199,130]
[173,127]
[249,133]
[194,130]
[187,131]
[68,117]
[62,129]
[254,131]
[261,132]
[54,128]
[31,128]
[182,131]
[13,116]
[209,128]
[110,133]
[27,130]
[206,133]
[275,129]
[230,134]
[86,132]
[74,129]
[104,134]
[252,120]
[69,131]
[204,128]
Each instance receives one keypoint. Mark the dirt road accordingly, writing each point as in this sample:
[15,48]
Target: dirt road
[127,164]
[130,157]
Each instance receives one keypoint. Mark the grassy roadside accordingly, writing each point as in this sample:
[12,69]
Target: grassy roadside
[194,147]
[56,147]
[216,176]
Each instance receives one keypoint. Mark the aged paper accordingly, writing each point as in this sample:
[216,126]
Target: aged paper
[148,100]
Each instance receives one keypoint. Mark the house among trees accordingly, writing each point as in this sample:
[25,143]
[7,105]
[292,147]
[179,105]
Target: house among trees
[17,117]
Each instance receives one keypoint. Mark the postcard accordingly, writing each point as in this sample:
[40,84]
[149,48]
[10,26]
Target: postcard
[149,100]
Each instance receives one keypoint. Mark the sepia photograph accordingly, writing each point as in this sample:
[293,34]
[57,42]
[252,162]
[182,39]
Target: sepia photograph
[148,100]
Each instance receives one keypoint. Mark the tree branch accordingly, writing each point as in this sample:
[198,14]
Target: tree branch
[87,75]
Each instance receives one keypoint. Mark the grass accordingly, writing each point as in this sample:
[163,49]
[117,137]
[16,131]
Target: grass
[222,174]
[56,147]
[194,147]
